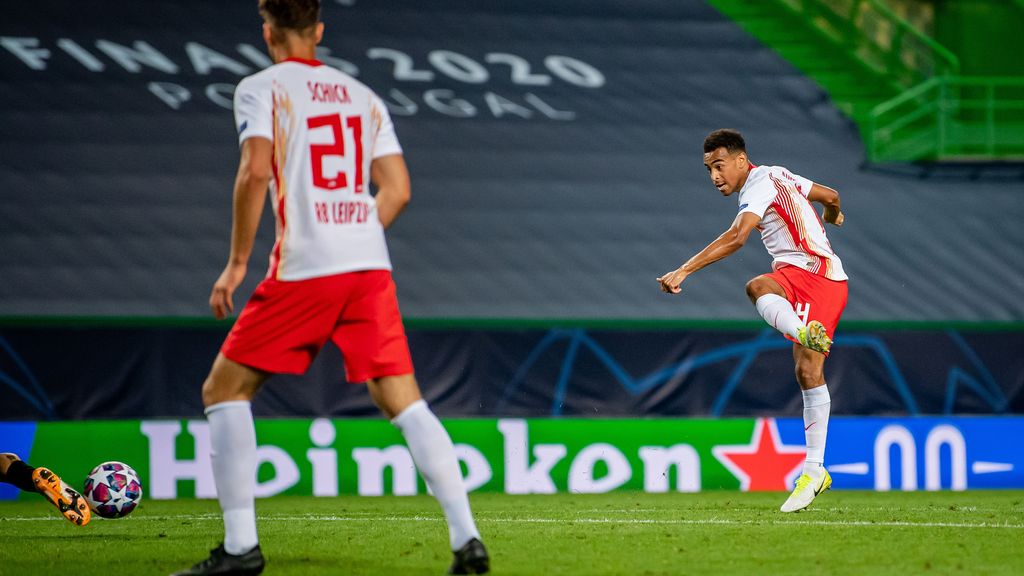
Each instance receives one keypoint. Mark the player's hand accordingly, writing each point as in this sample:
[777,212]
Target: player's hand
[220,298]
[670,281]
[833,216]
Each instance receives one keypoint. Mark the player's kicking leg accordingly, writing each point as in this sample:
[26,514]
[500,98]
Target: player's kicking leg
[817,404]
[769,299]
[434,455]
[70,503]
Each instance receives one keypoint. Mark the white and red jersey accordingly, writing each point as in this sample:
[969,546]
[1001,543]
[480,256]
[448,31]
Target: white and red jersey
[326,128]
[790,227]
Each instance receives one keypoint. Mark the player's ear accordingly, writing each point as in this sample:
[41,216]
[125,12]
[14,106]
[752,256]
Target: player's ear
[268,34]
[319,31]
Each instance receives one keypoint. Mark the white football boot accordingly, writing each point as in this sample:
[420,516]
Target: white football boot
[807,488]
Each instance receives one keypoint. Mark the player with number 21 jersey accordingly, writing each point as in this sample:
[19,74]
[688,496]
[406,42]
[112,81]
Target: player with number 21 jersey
[316,138]
[327,128]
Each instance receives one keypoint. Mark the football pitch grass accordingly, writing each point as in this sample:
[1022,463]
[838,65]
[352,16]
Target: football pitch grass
[974,532]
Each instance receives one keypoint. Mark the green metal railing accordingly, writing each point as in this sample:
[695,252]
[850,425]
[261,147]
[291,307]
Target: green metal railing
[950,117]
[934,113]
[886,43]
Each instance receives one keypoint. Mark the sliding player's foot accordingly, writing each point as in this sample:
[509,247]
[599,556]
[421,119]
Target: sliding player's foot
[70,503]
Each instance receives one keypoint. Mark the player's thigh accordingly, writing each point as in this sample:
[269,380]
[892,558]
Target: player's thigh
[393,394]
[286,323]
[765,284]
[370,332]
[826,305]
[229,380]
[815,297]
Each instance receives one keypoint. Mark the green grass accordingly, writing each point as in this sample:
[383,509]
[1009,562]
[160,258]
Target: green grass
[977,532]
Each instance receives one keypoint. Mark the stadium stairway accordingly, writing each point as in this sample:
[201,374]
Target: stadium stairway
[855,88]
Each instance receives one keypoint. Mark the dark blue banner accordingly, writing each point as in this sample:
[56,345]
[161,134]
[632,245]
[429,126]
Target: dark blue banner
[146,372]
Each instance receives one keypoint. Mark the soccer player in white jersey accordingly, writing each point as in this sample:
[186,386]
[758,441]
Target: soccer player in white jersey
[805,294]
[318,138]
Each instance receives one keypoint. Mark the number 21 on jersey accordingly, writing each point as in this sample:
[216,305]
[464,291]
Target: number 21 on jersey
[318,152]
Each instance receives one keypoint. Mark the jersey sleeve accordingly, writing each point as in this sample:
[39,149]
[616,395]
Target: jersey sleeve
[385,142]
[803,185]
[758,199]
[253,110]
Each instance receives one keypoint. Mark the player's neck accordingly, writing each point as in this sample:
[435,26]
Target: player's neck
[292,47]
[743,180]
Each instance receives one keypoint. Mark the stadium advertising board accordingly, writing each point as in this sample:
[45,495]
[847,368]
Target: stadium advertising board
[325,457]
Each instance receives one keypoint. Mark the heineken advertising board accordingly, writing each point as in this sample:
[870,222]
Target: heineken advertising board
[326,457]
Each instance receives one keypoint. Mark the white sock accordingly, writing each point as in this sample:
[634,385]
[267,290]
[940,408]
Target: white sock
[779,313]
[434,456]
[817,404]
[233,455]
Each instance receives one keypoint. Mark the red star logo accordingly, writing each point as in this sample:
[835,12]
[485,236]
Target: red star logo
[765,463]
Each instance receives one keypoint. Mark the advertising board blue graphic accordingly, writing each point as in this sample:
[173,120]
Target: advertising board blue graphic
[921,453]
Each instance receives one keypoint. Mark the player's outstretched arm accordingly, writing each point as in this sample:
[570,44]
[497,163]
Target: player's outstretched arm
[391,177]
[254,172]
[730,241]
[828,198]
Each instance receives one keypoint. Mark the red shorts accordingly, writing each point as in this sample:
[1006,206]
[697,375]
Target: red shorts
[813,297]
[285,324]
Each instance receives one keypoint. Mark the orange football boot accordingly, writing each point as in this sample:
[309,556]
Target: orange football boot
[70,503]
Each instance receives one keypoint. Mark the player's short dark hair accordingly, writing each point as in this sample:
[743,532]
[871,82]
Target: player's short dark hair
[726,138]
[298,15]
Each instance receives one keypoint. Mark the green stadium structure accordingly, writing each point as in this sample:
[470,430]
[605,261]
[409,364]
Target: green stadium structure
[911,96]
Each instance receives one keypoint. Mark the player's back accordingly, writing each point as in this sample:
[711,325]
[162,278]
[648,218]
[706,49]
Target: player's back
[326,129]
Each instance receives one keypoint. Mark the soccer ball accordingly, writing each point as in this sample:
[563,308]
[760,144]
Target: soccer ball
[113,489]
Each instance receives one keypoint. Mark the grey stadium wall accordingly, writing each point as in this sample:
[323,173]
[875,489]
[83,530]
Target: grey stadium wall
[554,149]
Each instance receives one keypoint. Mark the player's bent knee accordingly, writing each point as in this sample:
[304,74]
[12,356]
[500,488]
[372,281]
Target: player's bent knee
[760,286]
[751,289]
[231,381]
[217,390]
[211,393]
